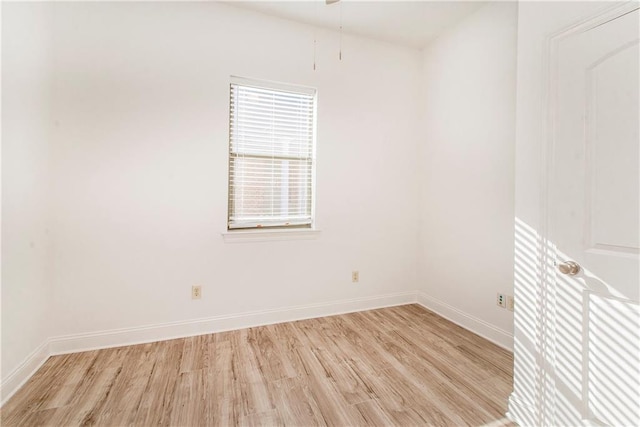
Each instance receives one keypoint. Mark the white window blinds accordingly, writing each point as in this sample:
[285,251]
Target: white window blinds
[271,155]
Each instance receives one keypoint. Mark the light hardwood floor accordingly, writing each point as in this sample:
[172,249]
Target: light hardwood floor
[399,366]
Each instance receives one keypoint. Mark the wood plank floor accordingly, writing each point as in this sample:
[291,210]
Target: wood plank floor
[398,366]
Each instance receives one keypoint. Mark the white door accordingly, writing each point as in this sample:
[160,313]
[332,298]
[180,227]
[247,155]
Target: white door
[594,222]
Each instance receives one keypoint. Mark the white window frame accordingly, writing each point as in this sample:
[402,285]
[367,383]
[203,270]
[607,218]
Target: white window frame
[292,229]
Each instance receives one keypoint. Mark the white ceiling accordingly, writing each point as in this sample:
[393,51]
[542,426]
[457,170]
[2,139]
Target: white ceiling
[409,23]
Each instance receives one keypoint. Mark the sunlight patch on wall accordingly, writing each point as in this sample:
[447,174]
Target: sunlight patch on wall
[528,374]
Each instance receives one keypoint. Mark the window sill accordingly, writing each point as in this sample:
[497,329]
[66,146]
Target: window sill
[270,235]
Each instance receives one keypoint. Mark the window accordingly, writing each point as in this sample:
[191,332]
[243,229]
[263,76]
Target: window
[271,155]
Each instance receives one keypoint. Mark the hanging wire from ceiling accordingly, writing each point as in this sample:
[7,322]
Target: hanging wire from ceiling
[340,52]
[315,31]
[315,39]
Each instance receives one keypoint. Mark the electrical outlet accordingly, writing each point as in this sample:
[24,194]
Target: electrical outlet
[501,301]
[510,302]
[355,276]
[196,292]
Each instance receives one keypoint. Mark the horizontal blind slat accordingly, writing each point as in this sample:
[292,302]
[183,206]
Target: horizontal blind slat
[265,93]
[293,108]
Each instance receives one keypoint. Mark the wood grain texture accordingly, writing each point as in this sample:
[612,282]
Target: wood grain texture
[401,366]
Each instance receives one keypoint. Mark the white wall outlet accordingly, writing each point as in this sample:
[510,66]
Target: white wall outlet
[196,292]
[510,302]
[355,276]
[502,300]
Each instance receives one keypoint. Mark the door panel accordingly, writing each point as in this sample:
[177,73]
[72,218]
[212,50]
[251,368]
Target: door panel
[597,172]
[612,152]
[594,220]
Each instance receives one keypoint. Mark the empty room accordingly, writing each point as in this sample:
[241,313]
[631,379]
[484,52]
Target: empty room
[322,212]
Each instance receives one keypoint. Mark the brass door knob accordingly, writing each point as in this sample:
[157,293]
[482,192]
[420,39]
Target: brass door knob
[569,267]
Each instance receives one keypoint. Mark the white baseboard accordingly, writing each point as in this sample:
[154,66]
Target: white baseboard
[521,413]
[486,330]
[166,331]
[22,373]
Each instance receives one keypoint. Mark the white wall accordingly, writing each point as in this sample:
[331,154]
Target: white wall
[26,290]
[140,167]
[467,192]
[136,171]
